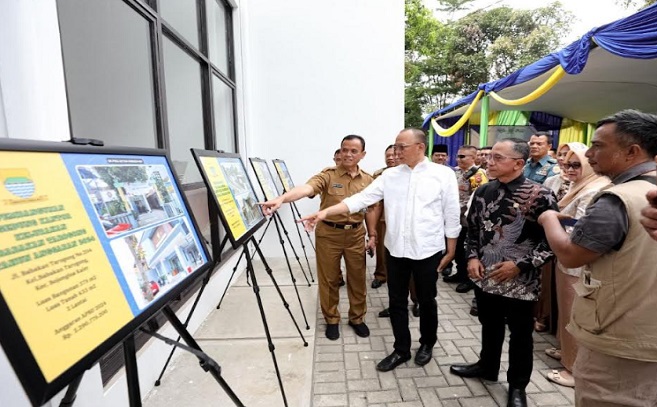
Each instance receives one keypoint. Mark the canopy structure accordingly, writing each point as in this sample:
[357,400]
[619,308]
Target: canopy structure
[608,69]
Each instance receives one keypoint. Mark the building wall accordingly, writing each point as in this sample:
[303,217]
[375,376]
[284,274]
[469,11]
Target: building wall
[307,72]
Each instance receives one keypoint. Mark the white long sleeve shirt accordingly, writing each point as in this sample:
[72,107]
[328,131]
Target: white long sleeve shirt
[421,208]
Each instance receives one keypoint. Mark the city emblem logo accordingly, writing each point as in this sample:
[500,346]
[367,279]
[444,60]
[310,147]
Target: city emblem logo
[18,182]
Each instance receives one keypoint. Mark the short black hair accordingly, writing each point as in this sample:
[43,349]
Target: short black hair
[354,137]
[544,134]
[469,148]
[520,146]
[487,148]
[389,147]
[337,151]
[634,127]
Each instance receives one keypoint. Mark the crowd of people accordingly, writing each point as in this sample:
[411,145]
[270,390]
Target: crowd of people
[505,222]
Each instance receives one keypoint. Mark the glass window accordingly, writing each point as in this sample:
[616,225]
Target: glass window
[224,125]
[182,15]
[218,35]
[107,60]
[182,80]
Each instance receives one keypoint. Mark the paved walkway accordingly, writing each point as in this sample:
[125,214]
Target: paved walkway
[344,372]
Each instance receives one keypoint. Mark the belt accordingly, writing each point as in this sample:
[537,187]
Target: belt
[345,226]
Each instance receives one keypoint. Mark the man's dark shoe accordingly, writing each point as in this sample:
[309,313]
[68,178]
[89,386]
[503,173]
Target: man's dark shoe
[416,310]
[392,361]
[474,310]
[376,283]
[423,355]
[341,283]
[472,370]
[332,331]
[361,329]
[446,271]
[464,287]
[385,313]
[453,279]
[517,397]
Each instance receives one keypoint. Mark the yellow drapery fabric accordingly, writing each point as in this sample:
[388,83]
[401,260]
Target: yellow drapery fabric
[457,126]
[572,131]
[537,93]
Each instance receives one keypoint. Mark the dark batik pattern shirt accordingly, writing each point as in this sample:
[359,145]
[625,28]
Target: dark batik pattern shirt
[503,227]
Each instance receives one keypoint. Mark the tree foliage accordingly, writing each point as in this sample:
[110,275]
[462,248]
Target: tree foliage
[487,44]
[639,4]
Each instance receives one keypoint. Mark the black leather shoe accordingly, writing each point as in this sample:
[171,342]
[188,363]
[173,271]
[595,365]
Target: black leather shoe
[416,310]
[332,331]
[341,283]
[361,329]
[517,398]
[376,283]
[385,313]
[464,287]
[392,361]
[472,370]
[423,355]
[453,279]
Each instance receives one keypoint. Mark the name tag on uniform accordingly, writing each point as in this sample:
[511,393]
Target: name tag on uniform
[337,185]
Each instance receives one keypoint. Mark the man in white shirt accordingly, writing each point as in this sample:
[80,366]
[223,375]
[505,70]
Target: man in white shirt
[421,210]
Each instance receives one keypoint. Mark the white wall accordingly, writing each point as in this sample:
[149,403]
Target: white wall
[317,71]
[308,73]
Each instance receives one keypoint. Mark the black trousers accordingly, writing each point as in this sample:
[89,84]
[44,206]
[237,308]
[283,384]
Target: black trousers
[460,256]
[425,274]
[493,311]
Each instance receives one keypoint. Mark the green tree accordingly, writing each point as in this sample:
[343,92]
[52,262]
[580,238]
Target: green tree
[638,4]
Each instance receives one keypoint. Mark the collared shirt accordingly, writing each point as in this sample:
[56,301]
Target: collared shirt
[604,226]
[421,208]
[334,184]
[502,227]
[468,181]
[539,171]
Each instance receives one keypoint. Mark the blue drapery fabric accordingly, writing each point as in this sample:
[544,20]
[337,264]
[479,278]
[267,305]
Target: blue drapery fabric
[547,122]
[632,37]
[453,142]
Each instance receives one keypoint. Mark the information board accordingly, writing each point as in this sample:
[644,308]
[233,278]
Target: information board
[265,178]
[93,242]
[225,176]
[283,175]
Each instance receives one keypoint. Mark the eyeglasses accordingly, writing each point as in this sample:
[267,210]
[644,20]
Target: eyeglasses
[462,156]
[574,166]
[402,147]
[500,157]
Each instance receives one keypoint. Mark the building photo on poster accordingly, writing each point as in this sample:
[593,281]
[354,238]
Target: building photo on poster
[89,242]
[283,174]
[265,178]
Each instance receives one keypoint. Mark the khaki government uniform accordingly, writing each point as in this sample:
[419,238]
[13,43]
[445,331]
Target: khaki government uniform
[380,271]
[345,239]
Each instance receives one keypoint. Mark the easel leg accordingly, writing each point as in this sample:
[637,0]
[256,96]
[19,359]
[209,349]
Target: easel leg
[205,361]
[303,247]
[206,280]
[237,265]
[131,372]
[256,290]
[71,392]
[287,236]
[289,267]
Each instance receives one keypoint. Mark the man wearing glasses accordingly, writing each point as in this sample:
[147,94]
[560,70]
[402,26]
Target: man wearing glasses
[421,209]
[506,248]
[339,236]
[469,178]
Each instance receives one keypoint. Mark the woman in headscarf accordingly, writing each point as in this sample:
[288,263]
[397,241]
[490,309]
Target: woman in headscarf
[584,185]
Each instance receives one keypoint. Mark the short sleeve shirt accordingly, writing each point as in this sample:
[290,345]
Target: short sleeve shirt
[334,184]
[541,170]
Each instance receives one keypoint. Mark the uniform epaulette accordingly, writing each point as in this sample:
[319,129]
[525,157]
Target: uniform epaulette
[329,169]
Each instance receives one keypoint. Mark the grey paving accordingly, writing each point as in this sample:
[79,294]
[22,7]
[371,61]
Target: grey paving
[344,371]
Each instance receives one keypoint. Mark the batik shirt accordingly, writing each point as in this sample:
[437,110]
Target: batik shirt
[502,227]
[468,182]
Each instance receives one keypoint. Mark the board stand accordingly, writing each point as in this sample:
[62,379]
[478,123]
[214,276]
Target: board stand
[293,208]
[206,362]
[71,392]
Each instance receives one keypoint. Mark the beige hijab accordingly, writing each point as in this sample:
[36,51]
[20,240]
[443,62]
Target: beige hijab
[588,181]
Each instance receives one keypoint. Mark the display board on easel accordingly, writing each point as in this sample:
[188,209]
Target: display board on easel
[283,174]
[93,242]
[225,176]
[265,178]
